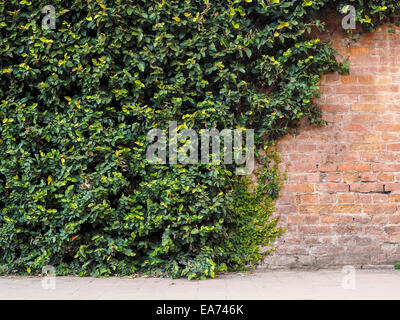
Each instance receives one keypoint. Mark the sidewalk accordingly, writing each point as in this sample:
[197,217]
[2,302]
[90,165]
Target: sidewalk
[323,284]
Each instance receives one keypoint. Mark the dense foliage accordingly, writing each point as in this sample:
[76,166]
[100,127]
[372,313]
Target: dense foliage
[76,103]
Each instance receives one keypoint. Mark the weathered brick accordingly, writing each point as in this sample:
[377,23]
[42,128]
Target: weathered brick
[367,107]
[295,219]
[327,197]
[333,177]
[366,147]
[359,167]
[334,108]
[347,208]
[367,250]
[348,79]
[309,198]
[382,167]
[394,219]
[354,127]
[379,219]
[341,201]
[325,167]
[286,209]
[387,127]
[393,147]
[351,177]
[385,177]
[328,219]
[332,187]
[395,198]
[346,198]
[366,79]
[385,208]
[315,229]
[380,198]
[392,187]
[303,188]
[363,198]
[309,219]
[392,229]
[368,177]
[358,51]
[366,187]
[315,208]
[302,167]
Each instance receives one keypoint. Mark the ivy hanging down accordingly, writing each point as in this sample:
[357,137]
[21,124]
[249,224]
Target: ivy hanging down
[79,93]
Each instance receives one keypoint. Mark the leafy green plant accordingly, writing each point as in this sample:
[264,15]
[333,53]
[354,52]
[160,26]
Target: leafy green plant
[397,266]
[76,103]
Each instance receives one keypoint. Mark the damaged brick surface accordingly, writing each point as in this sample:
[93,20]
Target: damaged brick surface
[341,201]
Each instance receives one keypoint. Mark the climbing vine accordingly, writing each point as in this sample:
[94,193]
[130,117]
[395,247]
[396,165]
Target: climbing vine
[78,100]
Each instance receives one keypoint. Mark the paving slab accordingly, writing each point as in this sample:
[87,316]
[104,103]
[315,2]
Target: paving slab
[260,285]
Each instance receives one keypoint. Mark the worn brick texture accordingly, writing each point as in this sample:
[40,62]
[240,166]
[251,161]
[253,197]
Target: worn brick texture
[340,203]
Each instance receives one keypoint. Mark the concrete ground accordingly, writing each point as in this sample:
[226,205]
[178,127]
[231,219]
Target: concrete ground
[265,284]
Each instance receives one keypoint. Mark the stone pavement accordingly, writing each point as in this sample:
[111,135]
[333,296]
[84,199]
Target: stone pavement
[264,284]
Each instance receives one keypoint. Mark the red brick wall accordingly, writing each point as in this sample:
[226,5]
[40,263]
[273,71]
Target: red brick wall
[341,201]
